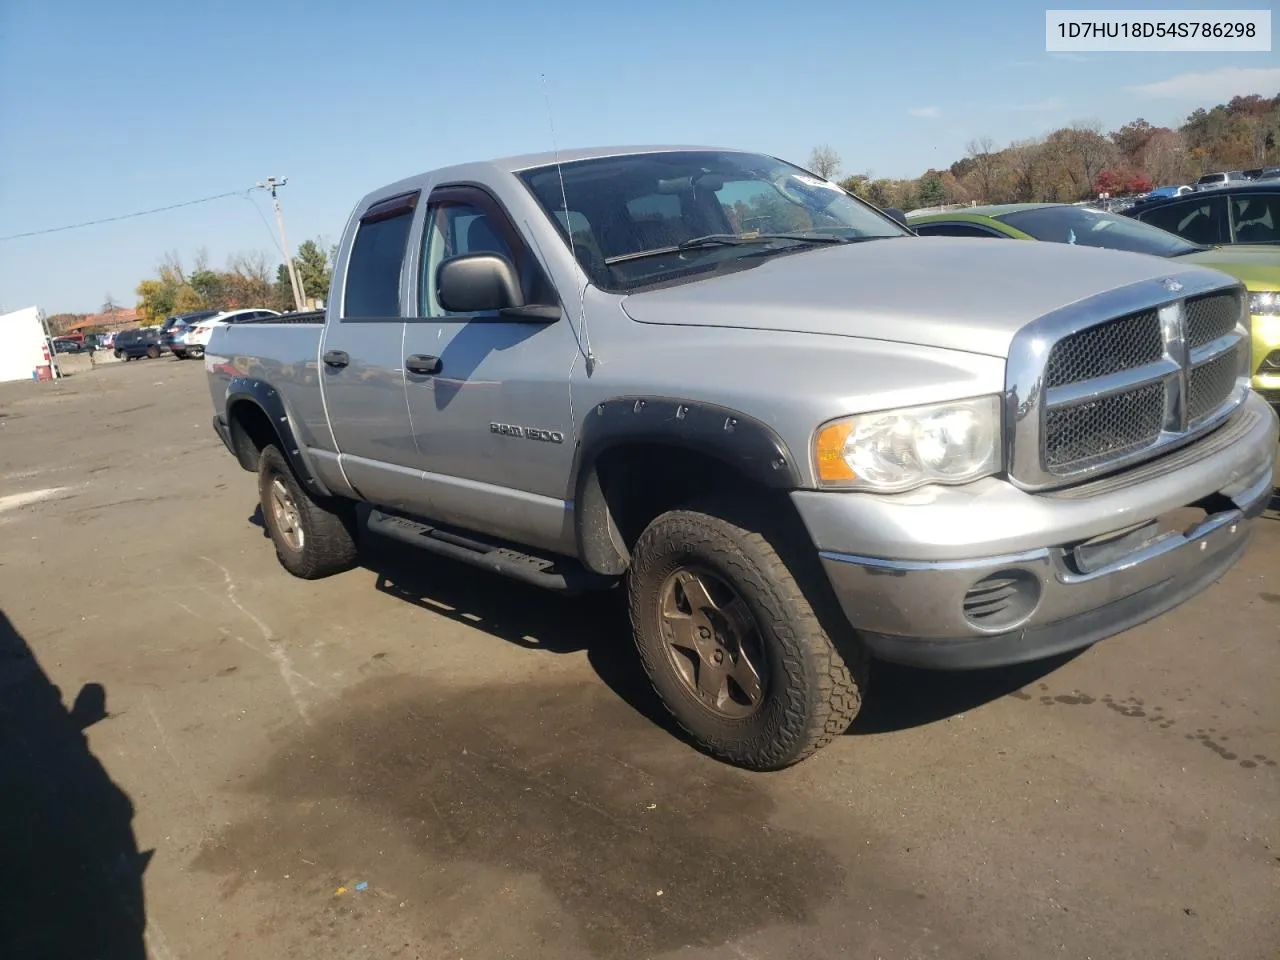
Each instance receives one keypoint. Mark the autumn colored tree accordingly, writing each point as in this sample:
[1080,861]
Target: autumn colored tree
[858,185]
[985,166]
[1110,181]
[1139,183]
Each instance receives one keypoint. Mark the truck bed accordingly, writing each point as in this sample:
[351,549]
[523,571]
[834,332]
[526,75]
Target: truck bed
[280,351]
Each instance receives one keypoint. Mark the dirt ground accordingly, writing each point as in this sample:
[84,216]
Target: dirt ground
[202,757]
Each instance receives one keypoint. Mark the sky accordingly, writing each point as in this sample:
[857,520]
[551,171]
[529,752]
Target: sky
[109,109]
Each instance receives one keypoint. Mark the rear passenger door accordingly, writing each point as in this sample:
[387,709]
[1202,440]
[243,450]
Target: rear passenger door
[361,372]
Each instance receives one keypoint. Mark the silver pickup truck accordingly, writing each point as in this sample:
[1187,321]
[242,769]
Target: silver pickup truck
[796,434]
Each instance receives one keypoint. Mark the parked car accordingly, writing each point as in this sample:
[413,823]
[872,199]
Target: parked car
[106,340]
[1257,267]
[172,330]
[196,338]
[1239,213]
[1159,193]
[1211,181]
[69,345]
[796,434]
[135,344]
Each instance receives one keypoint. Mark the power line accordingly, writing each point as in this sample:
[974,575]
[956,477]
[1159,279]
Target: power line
[261,216]
[126,216]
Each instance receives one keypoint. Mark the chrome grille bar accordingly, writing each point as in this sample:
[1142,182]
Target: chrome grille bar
[1124,376]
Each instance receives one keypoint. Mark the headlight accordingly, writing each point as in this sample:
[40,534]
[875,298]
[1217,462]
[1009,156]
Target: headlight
[896,450]
[1267,304]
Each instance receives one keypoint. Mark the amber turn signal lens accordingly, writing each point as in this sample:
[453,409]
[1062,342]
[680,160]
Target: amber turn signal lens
[829,452]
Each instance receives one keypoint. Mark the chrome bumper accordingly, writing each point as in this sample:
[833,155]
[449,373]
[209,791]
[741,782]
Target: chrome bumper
[1047,599]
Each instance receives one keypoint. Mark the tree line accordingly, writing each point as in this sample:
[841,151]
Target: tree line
[245,281]
[1081,160]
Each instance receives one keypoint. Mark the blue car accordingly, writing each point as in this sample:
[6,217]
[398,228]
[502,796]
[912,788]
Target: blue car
[136,344]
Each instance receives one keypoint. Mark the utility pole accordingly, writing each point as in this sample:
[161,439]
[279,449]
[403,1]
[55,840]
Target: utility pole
[272,183]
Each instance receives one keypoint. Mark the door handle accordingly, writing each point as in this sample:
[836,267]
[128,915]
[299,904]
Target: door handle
[421,363]
[336,358]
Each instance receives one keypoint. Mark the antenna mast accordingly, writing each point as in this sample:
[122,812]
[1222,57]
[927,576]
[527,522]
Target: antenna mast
[568,229]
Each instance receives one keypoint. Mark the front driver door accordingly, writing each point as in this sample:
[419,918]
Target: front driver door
[489,396]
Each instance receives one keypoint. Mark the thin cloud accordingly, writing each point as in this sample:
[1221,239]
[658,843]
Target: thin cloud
[1071,57]
[929,113]
[1040,106]
[1213,85]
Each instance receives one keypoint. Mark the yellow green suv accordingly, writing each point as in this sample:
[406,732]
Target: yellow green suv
[1256,266]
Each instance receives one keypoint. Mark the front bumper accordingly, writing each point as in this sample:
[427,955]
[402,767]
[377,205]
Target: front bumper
[963,578]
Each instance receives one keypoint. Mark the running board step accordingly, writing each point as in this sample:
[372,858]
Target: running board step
[559,574]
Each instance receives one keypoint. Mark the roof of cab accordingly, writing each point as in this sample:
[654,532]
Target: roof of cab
[528,161]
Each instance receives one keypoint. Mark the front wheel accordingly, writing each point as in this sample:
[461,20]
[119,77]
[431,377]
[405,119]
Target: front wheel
[195,353]
[313,538]
[119,354]
[732,644]
[153,352]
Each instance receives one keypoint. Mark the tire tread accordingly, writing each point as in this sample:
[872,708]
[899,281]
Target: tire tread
[740,539]
[329,544]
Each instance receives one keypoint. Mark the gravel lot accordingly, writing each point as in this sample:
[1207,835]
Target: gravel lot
[415,759]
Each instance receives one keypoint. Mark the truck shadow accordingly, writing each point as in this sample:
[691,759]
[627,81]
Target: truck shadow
[597,624]
[69,862]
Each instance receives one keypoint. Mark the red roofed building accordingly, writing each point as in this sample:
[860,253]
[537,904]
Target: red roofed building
[122,319]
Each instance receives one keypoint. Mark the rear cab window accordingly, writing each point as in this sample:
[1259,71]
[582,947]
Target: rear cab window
[376,263]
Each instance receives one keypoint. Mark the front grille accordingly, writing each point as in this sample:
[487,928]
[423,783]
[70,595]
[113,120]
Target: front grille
[1211,317]
[1101,429]
[1105,349]
[1210,383]
[1091,391]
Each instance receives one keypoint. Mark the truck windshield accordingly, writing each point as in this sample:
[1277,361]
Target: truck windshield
[1093,228]
[643,219]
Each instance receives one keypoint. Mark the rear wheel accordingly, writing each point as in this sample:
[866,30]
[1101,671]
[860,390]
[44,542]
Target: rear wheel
[119,354]
[732,644]
[153,352]
[313,538]
[196,353]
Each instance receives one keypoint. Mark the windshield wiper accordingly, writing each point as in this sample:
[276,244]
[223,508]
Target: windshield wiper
[725,240]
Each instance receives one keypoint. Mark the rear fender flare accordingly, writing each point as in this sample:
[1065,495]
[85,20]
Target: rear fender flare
[268,399]
[741,442]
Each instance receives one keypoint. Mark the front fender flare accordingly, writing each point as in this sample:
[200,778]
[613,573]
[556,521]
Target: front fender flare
[742,442]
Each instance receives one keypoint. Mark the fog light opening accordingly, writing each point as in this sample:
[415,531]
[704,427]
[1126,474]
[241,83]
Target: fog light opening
[1002,600]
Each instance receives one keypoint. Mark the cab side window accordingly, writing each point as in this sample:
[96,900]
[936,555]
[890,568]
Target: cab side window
[1256,217]
[1200,220]
[377,259]
[458,224]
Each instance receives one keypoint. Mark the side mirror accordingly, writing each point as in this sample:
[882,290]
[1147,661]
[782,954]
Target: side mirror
[478,283]
[898,215]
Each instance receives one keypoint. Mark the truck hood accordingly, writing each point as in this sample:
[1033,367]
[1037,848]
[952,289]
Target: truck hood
[948,292]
